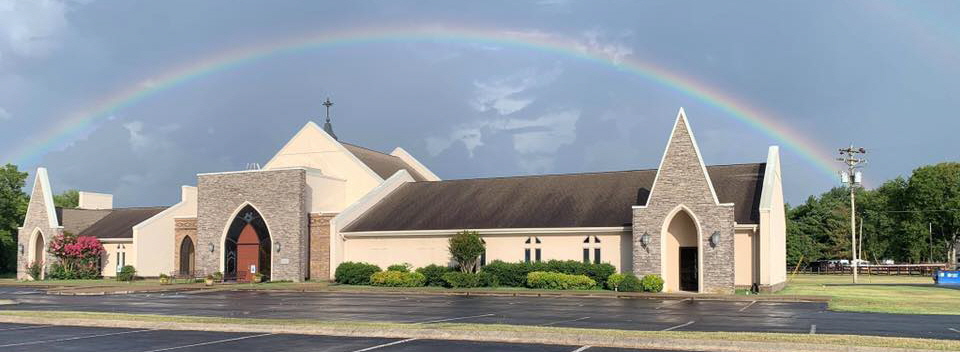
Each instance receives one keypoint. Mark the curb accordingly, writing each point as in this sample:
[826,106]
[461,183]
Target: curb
[538,337]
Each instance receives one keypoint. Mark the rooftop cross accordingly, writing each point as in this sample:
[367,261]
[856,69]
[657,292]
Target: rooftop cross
[327,126]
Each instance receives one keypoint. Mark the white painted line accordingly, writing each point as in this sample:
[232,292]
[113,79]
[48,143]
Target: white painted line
[679,326]
[74,338]
[813,329]
[384,345]
[748,306]
[673,303]
[209,343]
[451,319]
[581,349]
[565,321]
[954,330]
[28,327]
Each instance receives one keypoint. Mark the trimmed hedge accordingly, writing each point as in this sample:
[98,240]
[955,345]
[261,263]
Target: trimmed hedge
[351,273]
[403,268]
[392,278]
[630,283]
[559,281]
[614,280]
[652,283]
[127,273]
[458,279]
[434,274]
[515,274]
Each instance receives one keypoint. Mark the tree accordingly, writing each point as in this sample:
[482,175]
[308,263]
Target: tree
[78,257]
[465,248]
[13,207]
[68,199]
[934,192]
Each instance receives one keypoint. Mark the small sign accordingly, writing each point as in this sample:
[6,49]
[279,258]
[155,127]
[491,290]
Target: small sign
[284,261]
[253,269]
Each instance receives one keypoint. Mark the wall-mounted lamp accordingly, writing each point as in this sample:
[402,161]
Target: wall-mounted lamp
[21,248]
[278,247]
[211,248]
[715,239]
[645,239]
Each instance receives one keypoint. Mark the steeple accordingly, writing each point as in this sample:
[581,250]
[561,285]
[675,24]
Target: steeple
[326,125]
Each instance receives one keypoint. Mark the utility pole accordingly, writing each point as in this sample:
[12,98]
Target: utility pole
[852,178]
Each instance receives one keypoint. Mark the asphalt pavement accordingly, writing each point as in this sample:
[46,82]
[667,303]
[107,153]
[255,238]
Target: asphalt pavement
[22,337]
[604,313]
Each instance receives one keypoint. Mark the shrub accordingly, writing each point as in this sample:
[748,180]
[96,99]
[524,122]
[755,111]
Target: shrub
[614,280]
[35,270]
[78,257]
[434,274]
[488,280]
[652,283]
[216,276]
[351,273]
[559,281]
[515,274]
[507,274]
[630,283]
[85,271]
[392,278]
[462,280]
[403,268]
[465,248]
[127,273]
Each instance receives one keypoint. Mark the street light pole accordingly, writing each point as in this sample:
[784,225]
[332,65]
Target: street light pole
[852,177]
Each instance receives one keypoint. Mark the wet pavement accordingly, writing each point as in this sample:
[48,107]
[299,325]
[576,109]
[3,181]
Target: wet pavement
[605,313]
[22,337]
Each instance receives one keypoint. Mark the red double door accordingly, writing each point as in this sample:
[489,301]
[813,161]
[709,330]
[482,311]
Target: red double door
[248,254]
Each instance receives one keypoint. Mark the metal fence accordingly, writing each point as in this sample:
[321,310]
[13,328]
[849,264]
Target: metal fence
[892,269]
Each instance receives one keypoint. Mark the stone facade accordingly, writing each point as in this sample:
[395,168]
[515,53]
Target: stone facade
[278,195]
[683,185]
[37,220]
[185,227]
[320,246]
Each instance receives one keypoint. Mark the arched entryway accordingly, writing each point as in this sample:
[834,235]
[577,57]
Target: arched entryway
[682,253]
[247,246]
[38,248]
[187,255]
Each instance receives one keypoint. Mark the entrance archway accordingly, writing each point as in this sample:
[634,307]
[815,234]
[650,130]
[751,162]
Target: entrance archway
[682,253]
[187,255]
[38,249]
[247,246]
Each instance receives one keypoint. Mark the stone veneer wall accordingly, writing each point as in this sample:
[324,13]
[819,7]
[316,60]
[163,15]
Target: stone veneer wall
[320,246]
[681,181]
[279,197]
[186,227]
[36,218]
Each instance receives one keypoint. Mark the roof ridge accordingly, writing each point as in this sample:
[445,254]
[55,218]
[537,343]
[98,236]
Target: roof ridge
[365,148]
[574,173]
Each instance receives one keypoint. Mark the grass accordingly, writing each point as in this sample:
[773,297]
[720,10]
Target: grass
[880,294]
[377,328]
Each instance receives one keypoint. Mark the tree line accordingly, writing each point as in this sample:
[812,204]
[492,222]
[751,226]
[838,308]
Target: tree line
[907,220]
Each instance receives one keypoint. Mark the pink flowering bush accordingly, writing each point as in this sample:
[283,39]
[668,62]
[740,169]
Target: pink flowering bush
[78,257]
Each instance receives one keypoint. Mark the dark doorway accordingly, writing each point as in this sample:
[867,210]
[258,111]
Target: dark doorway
[186,257]
[688,269]
[247,247]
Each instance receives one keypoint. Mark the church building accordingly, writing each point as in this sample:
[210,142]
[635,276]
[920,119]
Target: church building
[320,202]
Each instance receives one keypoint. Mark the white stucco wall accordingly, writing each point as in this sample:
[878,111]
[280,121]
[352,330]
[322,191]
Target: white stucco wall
[110,258]
[773,226]
[153,240]
[90,200]
[745,255]
[325,194]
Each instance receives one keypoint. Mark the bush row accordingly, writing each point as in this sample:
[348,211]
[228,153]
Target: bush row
[559,281]
[515,274]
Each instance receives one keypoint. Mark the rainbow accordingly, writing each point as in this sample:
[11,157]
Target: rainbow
[68,129]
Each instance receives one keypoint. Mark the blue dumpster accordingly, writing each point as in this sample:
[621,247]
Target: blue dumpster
[947,277]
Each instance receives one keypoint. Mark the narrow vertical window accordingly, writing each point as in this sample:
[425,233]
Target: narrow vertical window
[596,255]
[538,254]
[586,255]
[483,255]
[526,255]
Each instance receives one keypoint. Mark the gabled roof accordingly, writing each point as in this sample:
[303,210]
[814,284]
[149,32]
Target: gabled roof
[603,199]
[119,223]
[76,220]
[384,165]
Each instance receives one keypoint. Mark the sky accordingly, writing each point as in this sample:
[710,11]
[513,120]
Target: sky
[135,98]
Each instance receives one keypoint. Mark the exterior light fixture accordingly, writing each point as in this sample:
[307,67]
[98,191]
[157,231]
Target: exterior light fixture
[278,247]
[645,239]
[211,248]
[21,248]
[715,239]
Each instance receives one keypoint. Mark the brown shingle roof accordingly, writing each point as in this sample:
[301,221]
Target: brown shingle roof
[76,220]
[602,199]
[384,165]
[120,222]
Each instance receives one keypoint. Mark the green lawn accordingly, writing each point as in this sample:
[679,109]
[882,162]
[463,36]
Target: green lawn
[881,294]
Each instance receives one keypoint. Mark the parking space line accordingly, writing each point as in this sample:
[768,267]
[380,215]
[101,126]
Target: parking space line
[384,345]
[679,326]
[672,303]
[27,327]
[74,338]
[581,349]
[748,306]
[451,319]
[565,321]
[954,330]
[210,342]
[813,329]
